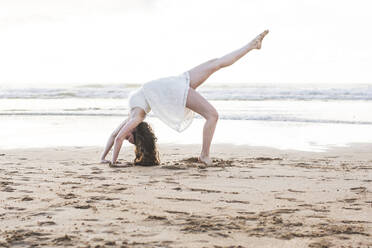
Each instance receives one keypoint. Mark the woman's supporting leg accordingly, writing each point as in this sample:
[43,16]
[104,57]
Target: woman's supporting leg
[201,72]
[200,105]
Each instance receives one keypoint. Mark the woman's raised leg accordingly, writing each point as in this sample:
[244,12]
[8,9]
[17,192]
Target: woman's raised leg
[201,72]
[200,105]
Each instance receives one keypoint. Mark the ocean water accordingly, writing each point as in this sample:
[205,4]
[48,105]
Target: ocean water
[301,117]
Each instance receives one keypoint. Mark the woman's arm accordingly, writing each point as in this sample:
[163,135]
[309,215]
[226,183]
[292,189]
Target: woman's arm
[110,141]
[123,134]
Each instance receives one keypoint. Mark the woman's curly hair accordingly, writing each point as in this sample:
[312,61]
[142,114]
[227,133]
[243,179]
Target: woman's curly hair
[145,141]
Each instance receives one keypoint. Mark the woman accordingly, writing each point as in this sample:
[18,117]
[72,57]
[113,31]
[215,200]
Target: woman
[174,100]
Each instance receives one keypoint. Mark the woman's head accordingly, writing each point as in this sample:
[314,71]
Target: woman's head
[145,142]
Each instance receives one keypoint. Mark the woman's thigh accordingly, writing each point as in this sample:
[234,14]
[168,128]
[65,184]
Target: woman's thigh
[200,73]
[199,104]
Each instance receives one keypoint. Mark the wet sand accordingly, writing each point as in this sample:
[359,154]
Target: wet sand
[251,197]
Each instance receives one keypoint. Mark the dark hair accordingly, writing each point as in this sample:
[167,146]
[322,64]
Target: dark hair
[145,142]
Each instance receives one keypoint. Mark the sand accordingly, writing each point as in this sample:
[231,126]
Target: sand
[251,197]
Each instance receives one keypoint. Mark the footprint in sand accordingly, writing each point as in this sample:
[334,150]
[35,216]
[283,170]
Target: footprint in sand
[65,240]
[67,196]
[27,198]
[177,199]
[46,223]
[7,189]
[177,212]
[83,206]
[359,190]
[205,190]
[237,201]
[155,217]
[21,236]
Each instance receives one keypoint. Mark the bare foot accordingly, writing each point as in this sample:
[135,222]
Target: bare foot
[205,160]
[257,42]
[105,161]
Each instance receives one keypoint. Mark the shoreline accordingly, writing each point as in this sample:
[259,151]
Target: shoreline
[252,196]
[351,150]
[50,131]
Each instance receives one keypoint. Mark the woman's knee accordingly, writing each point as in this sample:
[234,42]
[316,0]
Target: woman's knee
[212,115]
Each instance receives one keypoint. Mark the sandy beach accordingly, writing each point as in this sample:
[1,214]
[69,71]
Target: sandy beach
[278,93]
[251,197]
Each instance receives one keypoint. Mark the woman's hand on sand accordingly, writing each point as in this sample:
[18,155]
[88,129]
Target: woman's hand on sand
[120,164]
[116,163]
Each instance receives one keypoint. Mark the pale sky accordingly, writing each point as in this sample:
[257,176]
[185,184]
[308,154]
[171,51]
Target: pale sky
[53,42]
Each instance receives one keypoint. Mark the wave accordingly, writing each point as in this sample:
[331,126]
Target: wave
[283,93]
[271,118]
[247,93]
[46,93]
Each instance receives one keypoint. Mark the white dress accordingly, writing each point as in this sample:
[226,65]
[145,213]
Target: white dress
[167,98]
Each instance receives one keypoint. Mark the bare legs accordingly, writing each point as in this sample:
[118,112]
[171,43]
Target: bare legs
[199,104]
[194,102]
[201,72]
